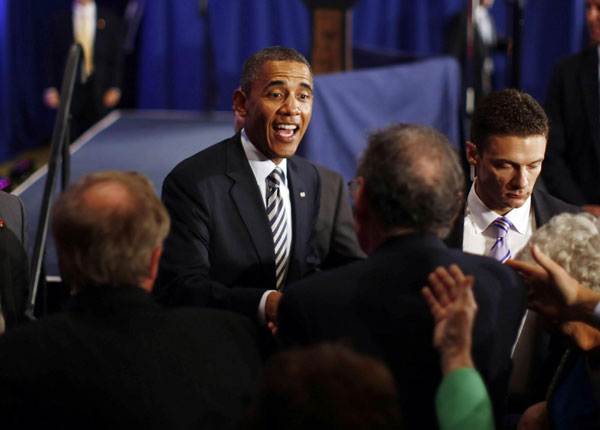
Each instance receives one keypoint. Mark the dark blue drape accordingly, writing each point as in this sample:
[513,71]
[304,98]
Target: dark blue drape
[175,40]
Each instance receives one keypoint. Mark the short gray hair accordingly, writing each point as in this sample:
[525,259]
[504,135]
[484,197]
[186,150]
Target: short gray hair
[108,244]
[413,178]
[573,241]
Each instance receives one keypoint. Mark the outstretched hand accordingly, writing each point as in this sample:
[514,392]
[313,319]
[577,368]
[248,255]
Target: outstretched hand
[552,292]
[451,301]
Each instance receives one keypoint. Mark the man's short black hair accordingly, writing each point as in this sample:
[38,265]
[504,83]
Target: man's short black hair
[507,113]
[254,63]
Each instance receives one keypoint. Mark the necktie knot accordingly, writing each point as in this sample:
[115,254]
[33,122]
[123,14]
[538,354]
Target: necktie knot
[500,251]
[276,178]
[502,226]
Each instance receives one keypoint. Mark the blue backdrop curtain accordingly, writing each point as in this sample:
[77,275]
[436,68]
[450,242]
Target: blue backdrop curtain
[173,73]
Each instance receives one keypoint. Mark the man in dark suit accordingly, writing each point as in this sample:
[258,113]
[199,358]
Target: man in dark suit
[572,166]
[480,33]
[243,210]
[114,358]
[508,141]
[408,190]
[99,32]
[14,267]
[334,233]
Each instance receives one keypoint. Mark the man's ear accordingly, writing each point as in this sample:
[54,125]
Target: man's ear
[361,203]
[240,99]
[473,155]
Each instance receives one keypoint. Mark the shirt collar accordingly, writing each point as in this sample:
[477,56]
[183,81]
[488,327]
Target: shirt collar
[482,216]
[261,165]
[88,9]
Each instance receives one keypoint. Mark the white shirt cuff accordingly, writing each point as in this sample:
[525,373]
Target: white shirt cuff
[261,308]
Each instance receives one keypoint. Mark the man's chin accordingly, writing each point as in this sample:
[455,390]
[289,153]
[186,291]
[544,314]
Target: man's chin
[516,202]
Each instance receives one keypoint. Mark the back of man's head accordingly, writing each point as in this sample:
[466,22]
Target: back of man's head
[106,228]
[413,178]
[507,113]
[326,386]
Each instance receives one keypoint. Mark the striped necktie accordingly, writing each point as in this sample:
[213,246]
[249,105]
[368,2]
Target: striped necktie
[278,223]
[500,251]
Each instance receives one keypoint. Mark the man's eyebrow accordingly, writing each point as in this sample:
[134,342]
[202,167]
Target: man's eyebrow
[274,84]
[306,85]
[280,82]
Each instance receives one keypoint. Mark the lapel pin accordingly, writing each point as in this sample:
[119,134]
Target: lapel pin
[1,223]
[302,194]
[101,24]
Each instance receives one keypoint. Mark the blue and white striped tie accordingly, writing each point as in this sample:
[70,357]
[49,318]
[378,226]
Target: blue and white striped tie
[278,223]
[500,251]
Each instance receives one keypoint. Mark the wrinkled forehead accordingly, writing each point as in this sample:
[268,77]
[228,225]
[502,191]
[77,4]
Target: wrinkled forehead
[290,73]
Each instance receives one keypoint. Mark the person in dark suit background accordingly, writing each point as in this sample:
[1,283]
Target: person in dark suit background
[14,266]
[99,32]
[478,70]
[572,166]
[222,251]
[408,190]
[115,358]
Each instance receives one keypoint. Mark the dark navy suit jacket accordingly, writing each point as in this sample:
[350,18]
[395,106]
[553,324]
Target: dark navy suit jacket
[376,306]
[219,252]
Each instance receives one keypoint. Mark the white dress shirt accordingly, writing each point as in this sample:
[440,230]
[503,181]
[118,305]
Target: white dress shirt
[262,167]
[84,29]
[479,232]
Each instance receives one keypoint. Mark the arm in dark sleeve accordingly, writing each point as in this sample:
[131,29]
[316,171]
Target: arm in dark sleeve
[336,240]
[185,269]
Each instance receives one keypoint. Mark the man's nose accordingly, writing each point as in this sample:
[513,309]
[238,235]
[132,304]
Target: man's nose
[521,178]
[291,106]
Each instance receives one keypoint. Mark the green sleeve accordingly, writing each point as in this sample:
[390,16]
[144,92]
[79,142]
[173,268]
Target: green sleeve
[462,402]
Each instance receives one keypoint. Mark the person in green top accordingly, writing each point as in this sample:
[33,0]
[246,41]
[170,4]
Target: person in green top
[461,401]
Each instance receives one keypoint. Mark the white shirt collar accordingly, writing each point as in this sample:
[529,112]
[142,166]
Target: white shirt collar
[87,9]
[261,165]
[482,216]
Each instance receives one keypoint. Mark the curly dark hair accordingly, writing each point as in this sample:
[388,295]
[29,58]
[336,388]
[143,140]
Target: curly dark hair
[253,64]
[413,178]
[507,113]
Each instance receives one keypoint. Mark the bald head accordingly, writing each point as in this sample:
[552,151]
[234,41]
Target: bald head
[106,227]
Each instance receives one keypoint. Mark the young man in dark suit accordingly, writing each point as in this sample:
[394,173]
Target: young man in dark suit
[509,132]
[14,266]
[243,210]
[408,190]
[115,358]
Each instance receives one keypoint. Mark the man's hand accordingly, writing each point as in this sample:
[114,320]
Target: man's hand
[593,209]
[51,98]
[111,97]
[552,292]
[271,308]
[450,298]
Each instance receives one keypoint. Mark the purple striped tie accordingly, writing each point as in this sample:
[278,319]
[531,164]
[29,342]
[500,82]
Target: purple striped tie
[500,250]
[278,223]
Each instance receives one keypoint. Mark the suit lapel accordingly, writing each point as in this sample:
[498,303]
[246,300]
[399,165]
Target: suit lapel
[249,203]
[299,198]
[589,89]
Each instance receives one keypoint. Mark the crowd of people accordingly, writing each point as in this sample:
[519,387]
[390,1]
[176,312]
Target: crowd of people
[254,296]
